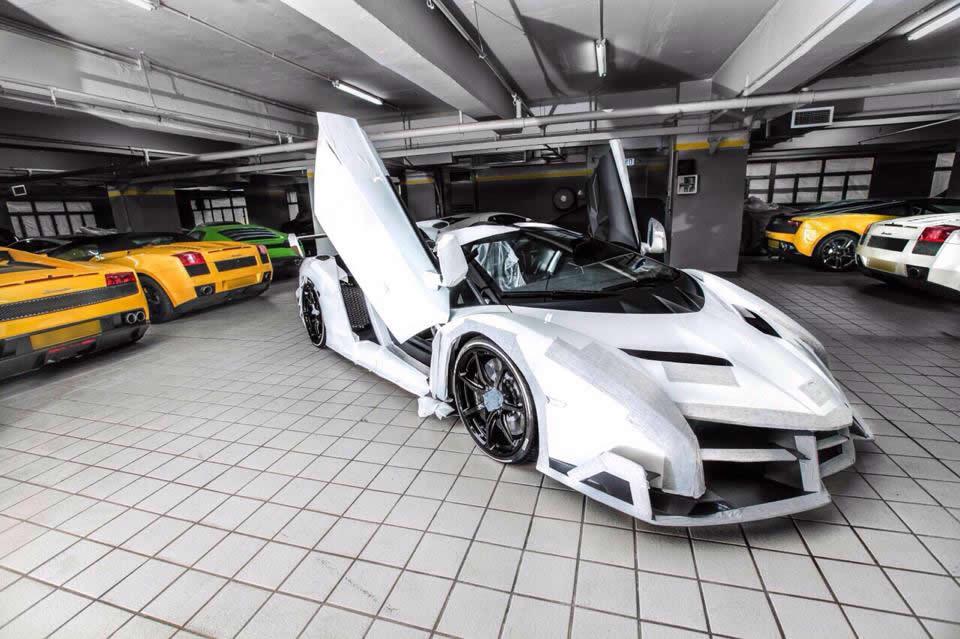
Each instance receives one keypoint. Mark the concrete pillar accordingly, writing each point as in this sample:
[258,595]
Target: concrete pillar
[137,209]
[705,226]
[267,201]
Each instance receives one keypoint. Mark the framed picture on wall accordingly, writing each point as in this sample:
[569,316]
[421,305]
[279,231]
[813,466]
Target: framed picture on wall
[687,184]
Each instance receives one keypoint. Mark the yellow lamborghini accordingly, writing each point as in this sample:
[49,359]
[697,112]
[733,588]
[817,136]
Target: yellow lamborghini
[828,234]
[178,274]
[51,310]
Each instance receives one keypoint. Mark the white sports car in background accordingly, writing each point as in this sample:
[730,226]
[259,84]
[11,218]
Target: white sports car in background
[922,250]
[673,396]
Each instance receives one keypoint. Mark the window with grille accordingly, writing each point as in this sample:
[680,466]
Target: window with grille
[810,181]
[293,204]
[223,208]
[941,173]
[49,218]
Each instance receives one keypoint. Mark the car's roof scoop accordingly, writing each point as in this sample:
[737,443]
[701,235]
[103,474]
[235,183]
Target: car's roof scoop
[610,211]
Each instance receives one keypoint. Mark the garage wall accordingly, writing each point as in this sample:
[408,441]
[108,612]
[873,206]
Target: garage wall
[705,228]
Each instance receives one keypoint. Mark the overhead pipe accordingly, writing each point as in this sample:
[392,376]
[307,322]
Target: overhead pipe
[677,109]
[673,109]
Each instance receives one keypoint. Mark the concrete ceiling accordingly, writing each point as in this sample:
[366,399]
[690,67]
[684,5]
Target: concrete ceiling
[547,45]
[173,41]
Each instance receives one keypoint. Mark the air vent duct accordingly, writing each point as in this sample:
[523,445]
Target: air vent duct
[812,117]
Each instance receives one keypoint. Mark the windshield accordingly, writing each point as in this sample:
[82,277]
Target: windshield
[90,247]
[944,206]
[537,261]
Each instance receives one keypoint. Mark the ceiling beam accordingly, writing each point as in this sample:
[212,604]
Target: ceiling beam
[418,43]
[798,40]
[45,70]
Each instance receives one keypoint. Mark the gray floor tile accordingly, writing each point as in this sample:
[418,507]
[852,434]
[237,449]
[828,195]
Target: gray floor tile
[282,617]
[671,600]
[534,619]
[100,620]
[738,612]
[806,618]
[546,577]
[227,612]
[184,597]
[473,612]
[417,599]
[364,587]
[439,555]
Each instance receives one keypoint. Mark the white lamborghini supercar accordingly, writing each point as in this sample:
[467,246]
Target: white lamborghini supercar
[923,250]
[673,396]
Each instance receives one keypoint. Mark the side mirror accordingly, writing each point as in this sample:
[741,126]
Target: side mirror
[453,263]
[656,238]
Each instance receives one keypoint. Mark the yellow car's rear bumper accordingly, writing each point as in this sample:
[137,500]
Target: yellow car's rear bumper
[221,278]
[785,244]
[29,351]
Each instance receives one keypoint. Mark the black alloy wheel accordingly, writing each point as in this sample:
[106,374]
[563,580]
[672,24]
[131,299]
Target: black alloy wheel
[838,252]
[312,317]
[161,308]
[494,403]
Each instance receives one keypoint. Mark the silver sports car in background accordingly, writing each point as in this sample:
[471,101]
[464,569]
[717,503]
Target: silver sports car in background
[671,395]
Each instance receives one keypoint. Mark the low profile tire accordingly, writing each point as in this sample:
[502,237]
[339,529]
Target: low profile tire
[161,308]
[494,402]
[312,315]
[837,252]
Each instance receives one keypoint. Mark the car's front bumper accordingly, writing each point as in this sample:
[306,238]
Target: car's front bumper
[780,477]
[18,355]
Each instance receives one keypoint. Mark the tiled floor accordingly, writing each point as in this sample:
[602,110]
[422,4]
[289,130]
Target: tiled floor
[225,478]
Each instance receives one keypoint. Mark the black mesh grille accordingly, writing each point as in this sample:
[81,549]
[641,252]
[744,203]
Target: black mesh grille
[248,234]
[54,303]
[356,305]
[235,263]
[197,269]
[887,243]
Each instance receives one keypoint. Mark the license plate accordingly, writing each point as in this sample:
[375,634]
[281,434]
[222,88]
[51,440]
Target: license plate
[63,335]
[240,282]
[773,243]
[883,265]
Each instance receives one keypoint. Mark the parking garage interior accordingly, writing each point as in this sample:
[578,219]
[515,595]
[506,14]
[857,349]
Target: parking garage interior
[220,476]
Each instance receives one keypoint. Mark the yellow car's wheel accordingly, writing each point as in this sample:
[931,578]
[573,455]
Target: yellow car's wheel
[161,309]
[837,251]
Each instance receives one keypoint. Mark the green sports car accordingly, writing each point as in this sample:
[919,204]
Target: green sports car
[284,250]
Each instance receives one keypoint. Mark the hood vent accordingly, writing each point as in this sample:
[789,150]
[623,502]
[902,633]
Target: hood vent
[757,322]
[679,358]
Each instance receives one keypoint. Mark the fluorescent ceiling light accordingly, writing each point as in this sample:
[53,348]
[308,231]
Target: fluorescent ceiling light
[149,5]
[360,93]
[837,21]
[601,48]
[940,21]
